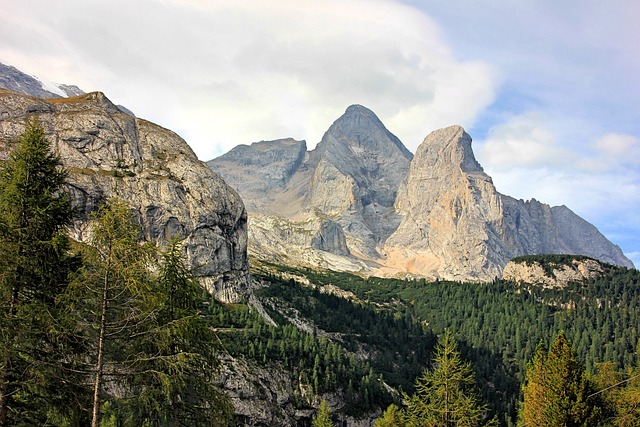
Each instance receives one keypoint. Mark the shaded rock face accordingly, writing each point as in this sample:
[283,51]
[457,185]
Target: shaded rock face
[260,169]
[330,238]
[110,154]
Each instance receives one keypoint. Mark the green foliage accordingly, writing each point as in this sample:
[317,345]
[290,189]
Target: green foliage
[314,361]
[498,324]
[35,267]
[556,390]
[393,416]
[151,356]
[323,417]
[176,361]
[445,396]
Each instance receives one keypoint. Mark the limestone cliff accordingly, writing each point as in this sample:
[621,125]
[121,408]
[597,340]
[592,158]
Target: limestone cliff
[469,231]
[437,214]
[111,154]
[552,274]
[449,206]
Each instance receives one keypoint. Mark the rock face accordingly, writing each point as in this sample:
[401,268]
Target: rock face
[560,274]
[449,208]
[469,231]
[260,169]
[434,215]
[336,200]
[111,154]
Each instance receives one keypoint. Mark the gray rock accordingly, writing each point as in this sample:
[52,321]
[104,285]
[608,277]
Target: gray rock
[457,226]
[260,169]
[330,238]
[110,154]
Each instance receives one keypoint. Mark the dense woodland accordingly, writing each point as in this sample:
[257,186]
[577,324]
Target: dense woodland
[117,332]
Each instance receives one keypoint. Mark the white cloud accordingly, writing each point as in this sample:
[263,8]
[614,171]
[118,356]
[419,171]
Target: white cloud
[229,72]
[523,142]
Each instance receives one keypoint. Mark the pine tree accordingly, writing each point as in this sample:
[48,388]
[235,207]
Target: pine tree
[35,268]
[446,395]
[323,417]
[556,390]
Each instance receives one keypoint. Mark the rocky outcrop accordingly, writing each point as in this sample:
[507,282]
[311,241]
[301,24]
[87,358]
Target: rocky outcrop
[330,238]
[109,154]
[552,274]
[457,226]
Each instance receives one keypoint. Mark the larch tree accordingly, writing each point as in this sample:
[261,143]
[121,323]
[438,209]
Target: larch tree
[35,268]
[446,395]
[173,382]
[556,390]
[323,417]
[393,416]
[114,298]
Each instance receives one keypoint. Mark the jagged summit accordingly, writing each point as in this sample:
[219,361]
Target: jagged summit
[360,128]
[451,145]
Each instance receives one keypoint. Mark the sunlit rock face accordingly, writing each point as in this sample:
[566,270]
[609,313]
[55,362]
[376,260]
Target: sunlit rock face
[458,226]
[435,214]
[110,154]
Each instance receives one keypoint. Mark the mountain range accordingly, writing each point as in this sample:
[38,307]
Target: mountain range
[361,202]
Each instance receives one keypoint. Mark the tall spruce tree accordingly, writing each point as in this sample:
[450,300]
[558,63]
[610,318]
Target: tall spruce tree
[35,268]
[556,390]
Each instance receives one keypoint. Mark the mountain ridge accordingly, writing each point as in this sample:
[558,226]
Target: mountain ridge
[436,214]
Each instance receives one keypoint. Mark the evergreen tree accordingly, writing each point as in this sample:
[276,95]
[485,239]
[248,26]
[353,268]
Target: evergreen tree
[173,382]
[556,390]
[392,417]
[114,298]
[446,395]
[323,417]
[35,267]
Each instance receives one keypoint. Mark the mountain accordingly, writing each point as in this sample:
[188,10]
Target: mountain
[16,81]
[469,231]
[361,202]
[111,154]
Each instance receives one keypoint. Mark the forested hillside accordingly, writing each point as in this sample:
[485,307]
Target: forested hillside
[498,325]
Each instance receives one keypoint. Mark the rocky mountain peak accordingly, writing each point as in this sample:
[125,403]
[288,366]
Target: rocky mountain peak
[451,147]
[360,129]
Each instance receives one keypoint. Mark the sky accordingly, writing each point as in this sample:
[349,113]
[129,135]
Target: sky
[548,89]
